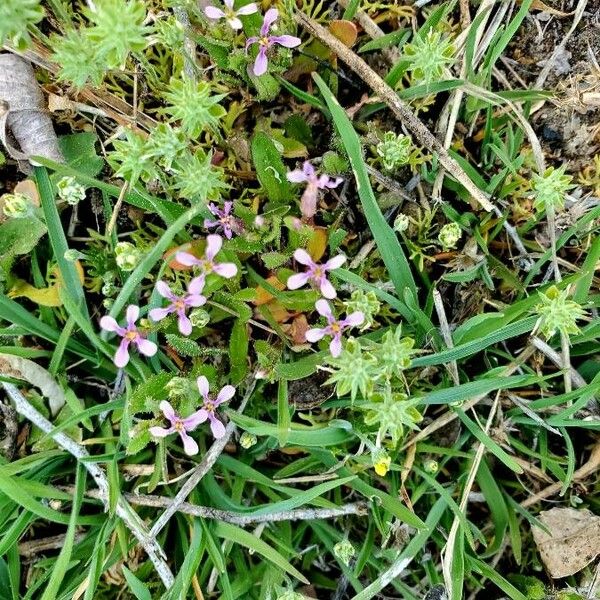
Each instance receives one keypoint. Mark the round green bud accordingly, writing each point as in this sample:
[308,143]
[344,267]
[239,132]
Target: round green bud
[431,466]
[345,551]
[247,440]
[199,317]
[109,289]
[401,223]
[17,206]
[108,303]
[70,191]
[127,256]
[449,235]
[178,387]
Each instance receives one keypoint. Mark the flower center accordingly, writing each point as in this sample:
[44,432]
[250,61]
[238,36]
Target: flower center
[335,327]
[179,426]
[318,272]
[209,406]
[264,41]
[230,13]
[131,335]
[179,304]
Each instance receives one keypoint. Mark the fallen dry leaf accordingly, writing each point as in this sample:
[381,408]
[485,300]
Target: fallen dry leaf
[573,543]
[27,370]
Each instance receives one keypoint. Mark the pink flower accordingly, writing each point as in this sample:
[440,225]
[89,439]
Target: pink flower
[208,408]
[315,273]
[130,334]
[207,263]
[179,425]
[179,304]
[265,41]
[334,327]
[225,219]
[308,175]
[230,15]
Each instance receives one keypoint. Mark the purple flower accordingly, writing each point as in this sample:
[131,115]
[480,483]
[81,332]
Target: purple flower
[265,41]
[230,15]
[315,273]
[308,175]
[208,408]
[179,304]
[334,327]
[130,334]
[225,219]
[207,263]
[179,425]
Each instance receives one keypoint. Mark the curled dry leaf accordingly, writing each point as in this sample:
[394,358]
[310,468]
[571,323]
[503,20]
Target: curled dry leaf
[26,130]
[27,370]
[573,541]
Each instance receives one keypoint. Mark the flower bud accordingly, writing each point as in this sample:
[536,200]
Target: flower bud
[381,461]
[247,440]
[449,235]
[199,317]
[109,289]
[431,466]
[178,387]
[16,206]
[394,150]
[108,303]
[365,302]
[127,256]
[70,191]
[345,551]
[401,223]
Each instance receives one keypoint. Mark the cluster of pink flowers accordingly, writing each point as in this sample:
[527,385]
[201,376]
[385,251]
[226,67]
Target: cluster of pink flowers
[183,426]
[264,40]
[179,305]
[317,275]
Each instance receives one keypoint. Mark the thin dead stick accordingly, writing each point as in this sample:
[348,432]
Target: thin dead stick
[202,469]
[396,105]
[446,335]
[206,512]
[123,509]
[33,547]
[116,209]
[589,468]
[449,416]
[574,377]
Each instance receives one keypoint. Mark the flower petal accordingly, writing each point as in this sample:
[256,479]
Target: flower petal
[227,393]
[213,245]
[304,258]
[212,12]
[195,300]
[208,224]
[164,290]
[146,347]
[314,335]
[168,411]
[289,41]
[217,428]
[187,259]
[250,41]
[270,18]
[296,281]
[296,176]
[203,386]
[235,23]
[308,201]
[335,263]
[308,170]
[122,355]
[109,324]
[354,319]
[196,286]
[249,9]
[157,314]
[226,270]
[324,309]
[190,447]
[228,3]
[327,289]
[333,182]
[132,314]
[161,431]
[335,347]
[261,62]
[190,423]
[183,323]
